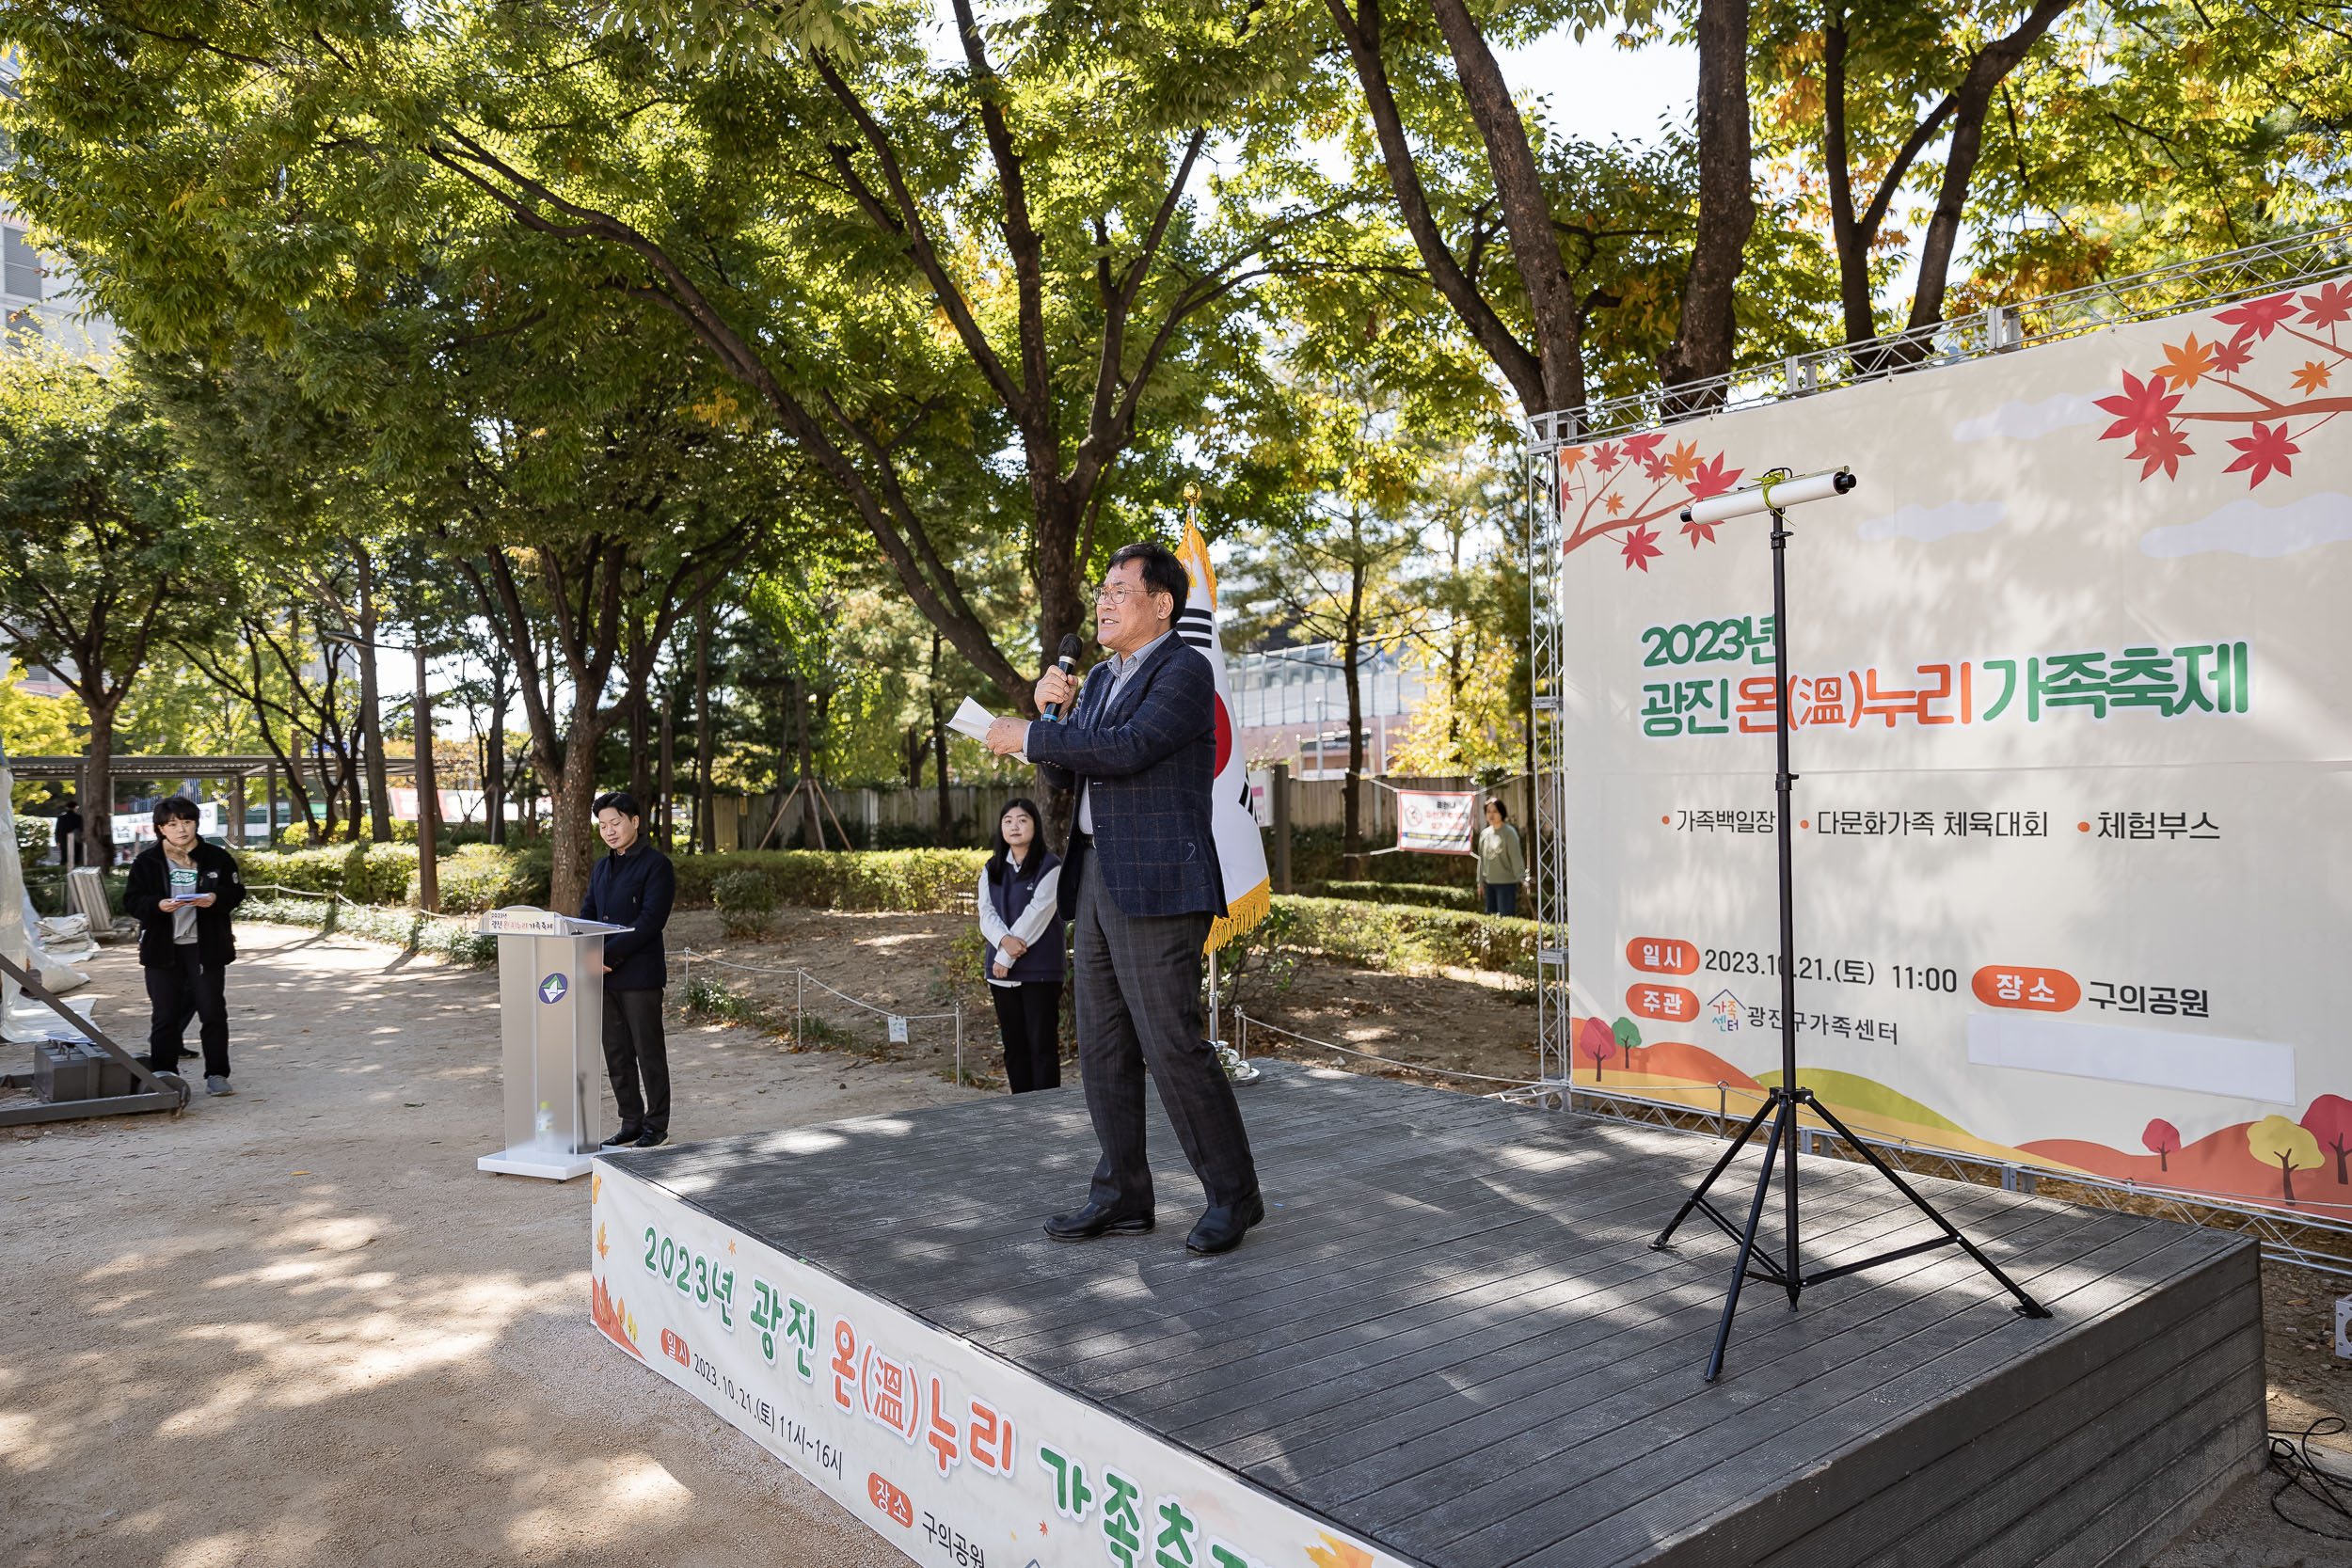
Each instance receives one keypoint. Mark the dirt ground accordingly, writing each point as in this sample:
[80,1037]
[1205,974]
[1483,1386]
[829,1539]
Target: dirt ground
[295,1326]
[1464,1020]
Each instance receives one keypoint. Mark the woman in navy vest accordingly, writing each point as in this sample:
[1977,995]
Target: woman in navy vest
[1021,922]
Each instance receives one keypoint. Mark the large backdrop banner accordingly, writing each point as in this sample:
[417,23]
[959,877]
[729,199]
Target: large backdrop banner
[2074,847]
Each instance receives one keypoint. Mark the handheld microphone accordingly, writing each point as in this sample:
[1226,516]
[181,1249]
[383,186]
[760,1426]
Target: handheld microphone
[1067,664]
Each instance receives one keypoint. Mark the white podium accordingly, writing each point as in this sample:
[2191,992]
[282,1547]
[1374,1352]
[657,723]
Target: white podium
[552,1029]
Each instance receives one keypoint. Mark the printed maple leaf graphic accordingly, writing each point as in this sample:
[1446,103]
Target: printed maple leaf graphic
[1712,479]
[1338,1554]
[602,1250]
[2332,304]
[2186,364]
[2161,448]
[2265,452]
[2258,316]
[1623,490]
[2276,397]
[2142,407]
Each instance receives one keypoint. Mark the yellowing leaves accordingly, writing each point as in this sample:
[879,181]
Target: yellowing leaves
[718,409]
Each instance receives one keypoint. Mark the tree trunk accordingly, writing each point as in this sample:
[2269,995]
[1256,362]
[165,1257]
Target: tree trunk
[1352,842]
[913,742]
[1971,102]
[706,811]
[493,791]
[1553,306]
[370,709]
[812,819]
[568,822]
[428,799]
[640,749]
[98,784]
[946,829]
[1708,330]
[669,776]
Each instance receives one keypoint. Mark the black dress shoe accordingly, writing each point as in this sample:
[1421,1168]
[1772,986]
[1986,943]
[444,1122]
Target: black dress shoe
[653,1137]
[624,1138]
[1094,1220]
[1220,1229]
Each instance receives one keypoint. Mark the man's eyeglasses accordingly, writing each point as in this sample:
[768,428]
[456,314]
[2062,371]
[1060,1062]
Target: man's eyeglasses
[1118,594]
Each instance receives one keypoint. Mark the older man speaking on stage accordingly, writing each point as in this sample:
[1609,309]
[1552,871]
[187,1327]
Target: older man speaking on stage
[1141,887]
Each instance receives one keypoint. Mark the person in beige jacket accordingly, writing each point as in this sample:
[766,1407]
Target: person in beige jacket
[1502,860]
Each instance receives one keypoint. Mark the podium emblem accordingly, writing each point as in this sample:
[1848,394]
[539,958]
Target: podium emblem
[553,986]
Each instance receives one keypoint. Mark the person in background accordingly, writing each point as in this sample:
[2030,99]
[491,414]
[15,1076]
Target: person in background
[1502,860]
[68,830]
[181,890]
[1021,921]
[634,886]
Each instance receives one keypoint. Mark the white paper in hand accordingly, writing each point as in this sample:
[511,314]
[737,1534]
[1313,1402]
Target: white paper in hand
[972,720]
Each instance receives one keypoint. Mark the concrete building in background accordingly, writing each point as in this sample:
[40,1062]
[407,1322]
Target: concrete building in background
[39,299]
[1291,706]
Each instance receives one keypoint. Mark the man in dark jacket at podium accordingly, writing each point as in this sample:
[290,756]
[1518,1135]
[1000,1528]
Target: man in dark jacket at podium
[634,886]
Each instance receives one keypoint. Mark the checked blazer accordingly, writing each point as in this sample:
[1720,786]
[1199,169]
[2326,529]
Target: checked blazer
[1151,756]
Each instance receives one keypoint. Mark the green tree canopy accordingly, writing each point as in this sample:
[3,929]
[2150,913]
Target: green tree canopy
[104,551]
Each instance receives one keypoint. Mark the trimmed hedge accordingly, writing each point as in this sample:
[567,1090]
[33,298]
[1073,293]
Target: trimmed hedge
[440,935]
[1380,936]
[914,882]
[1315,857]
[364,873]
[1404,892]
[1397,936]
[483,877]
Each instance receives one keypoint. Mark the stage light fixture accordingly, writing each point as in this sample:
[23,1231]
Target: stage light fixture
[1771,494]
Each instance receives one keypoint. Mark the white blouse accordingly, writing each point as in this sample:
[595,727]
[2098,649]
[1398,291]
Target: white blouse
[1031,925]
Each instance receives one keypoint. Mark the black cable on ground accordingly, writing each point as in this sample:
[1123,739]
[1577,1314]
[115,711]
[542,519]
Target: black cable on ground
[2291,1456]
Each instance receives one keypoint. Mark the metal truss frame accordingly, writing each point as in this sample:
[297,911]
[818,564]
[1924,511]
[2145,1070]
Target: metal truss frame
[2210,280]
[2200,284]
[1547,790]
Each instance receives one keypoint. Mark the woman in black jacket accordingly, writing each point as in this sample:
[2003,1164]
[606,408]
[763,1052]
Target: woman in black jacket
[180,891]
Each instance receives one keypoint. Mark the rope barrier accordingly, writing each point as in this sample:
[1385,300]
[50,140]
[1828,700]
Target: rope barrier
[802,979]
[1371,1056]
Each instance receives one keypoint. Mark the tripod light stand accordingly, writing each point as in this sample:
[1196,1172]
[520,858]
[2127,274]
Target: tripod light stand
[1785,1099]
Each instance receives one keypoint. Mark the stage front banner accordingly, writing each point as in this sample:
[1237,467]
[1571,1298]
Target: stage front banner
[2073,837]
[955,1457]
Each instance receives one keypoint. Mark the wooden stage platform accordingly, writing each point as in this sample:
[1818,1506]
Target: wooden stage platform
[1449,1346]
